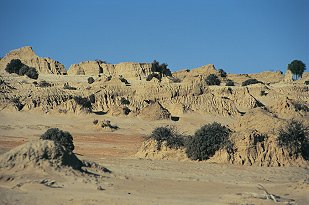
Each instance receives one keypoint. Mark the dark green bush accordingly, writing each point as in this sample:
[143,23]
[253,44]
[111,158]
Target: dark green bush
[161,68]
[124,101]
[14,66]
[92,98]
[90,80]
[306,82]
[250,82]
[212,79]
[295,138]
[84,102]
[207,140]
[43,84]
[230,83]
[222,73]
[153,75]
[168,134]
[68,87]
[59,137]
[17,103]
[32,73]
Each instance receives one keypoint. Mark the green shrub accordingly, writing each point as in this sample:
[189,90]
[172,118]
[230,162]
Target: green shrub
[222,73]
[90,80]
[14,66]
[124,101]
[230,83]
[32,73]
[59,137]
[207,140]
[168,134]
[92,98]
[17,103]
[250,82]
[84,102]
[306,82]
[212,79]
[295,138]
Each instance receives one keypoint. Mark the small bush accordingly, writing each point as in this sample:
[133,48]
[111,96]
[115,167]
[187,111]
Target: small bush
[68,87]
[170,135]
[306,82]
[230,83]
[153,75]
[122,79]
[126,110]
[92,98]
[263,93]
[95,122]
[17,103]
[60,137]
[250,82]
[43,84]
[212,79]
[124,101]
[32,73]
[207,140]
[90,80]
[301,107]
[222,73]
[294,137]
[14,66]
[84,102]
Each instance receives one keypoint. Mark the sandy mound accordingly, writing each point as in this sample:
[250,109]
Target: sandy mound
[254,148]
[287,108]
[258,119]
[155,111]
[149,149]
[41,153]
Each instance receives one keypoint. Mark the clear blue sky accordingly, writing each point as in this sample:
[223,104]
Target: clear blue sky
[240,36]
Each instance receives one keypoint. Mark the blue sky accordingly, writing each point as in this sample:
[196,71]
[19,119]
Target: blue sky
[240,36]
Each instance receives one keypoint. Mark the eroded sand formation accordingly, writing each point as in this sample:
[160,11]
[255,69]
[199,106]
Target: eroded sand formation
[125,90]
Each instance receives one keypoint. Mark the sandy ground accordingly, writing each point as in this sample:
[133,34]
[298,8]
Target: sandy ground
[136,181]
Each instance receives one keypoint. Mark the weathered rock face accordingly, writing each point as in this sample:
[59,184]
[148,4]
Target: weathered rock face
[28,57]
[288,78]
[127,70]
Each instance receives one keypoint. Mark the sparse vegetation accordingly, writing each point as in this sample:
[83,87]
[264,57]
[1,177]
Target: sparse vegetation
[16,66]
[153,75]
[207,140]
[122,79]
[212,79]
[126,110]
[295,138]
[250,82]
[301,107]
[43,84]
[90,80]
[124,101]
[306,82]
[17,103]
[168,134]
[297,67]
[223,74]
[84,102]
[68,87]
[92,98]
[161,68]
[60,137]
[230,83]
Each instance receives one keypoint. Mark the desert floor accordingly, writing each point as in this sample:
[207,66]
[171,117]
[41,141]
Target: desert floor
[133,180]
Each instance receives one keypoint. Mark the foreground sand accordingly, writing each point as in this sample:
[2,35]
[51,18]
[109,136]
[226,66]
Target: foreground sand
[135,181]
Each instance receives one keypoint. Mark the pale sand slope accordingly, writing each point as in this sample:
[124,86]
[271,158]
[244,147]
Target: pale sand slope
[135,181]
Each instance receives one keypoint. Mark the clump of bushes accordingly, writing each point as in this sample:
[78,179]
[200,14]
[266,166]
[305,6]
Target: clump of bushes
[295,138]
[84,102]
[250,82]
[306,82]
[212,79]
[90,80]
[122,79]
[301,107]
[68,87]
[160,68]
[230,83]
[207,140]
[223,74]
[169,134]
[153,75]
[43,84]
[124,101]
[16,66]
[17,103]
[60,137]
